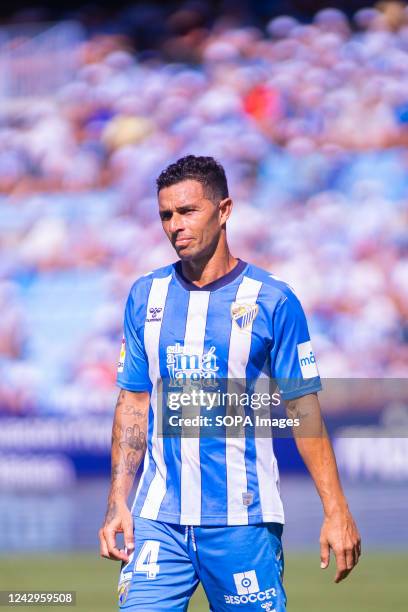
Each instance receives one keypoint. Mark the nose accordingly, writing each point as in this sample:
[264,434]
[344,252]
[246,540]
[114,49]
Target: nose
[176,223]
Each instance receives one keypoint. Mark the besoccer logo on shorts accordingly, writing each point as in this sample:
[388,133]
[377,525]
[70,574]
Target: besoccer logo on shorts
[246,582]
[247,586]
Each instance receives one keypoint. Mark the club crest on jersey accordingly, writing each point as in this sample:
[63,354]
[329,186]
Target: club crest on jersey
[244,315]
[123,591]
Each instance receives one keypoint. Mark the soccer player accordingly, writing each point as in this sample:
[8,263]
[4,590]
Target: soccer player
[207,507]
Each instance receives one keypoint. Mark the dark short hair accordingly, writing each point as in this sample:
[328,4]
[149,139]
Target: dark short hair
[205,170]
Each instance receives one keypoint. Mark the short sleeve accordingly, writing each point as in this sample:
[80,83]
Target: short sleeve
[133,369]
[293,363]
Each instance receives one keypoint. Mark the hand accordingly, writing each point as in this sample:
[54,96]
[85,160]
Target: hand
[340,533]
[118,520]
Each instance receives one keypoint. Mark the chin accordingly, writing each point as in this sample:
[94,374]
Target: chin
[189,254]
[186,256]
[192,253]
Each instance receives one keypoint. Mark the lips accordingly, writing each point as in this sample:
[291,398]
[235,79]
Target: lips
[182,241]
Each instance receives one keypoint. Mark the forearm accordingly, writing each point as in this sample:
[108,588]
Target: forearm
[316,450]
[318,455]
[129,434]
[339,530]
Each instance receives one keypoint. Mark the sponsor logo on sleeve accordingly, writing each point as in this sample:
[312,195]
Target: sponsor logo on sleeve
[307,360]
[122,355]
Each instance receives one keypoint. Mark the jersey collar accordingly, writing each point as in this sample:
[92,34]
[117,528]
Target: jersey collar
[217,284]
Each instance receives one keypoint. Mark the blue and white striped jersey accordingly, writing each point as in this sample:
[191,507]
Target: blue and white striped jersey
[237,327]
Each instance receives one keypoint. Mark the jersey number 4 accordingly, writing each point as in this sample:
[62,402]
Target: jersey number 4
[146,562]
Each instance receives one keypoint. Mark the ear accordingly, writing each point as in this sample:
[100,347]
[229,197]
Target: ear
[224,210]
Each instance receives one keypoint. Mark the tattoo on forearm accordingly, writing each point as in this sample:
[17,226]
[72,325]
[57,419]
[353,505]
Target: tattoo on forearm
[133,447]
[121,399]
[132,411]
[131,463]
[116,433]
[128,441]
[134,438]
[117,470]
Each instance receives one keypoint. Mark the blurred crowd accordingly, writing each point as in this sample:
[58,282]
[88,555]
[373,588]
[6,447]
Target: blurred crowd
[308,119]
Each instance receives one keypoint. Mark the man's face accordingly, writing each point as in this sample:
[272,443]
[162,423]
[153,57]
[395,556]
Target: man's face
[191,221]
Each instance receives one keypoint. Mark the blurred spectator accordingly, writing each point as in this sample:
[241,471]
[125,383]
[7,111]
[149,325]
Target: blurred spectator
[309,121]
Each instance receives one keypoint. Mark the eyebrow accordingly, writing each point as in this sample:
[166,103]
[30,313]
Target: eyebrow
[191,204]
[181,208]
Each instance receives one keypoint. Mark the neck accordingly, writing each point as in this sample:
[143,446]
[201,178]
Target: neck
[205,270]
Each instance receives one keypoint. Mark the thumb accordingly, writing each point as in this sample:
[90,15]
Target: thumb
[128,535]
[324,555]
